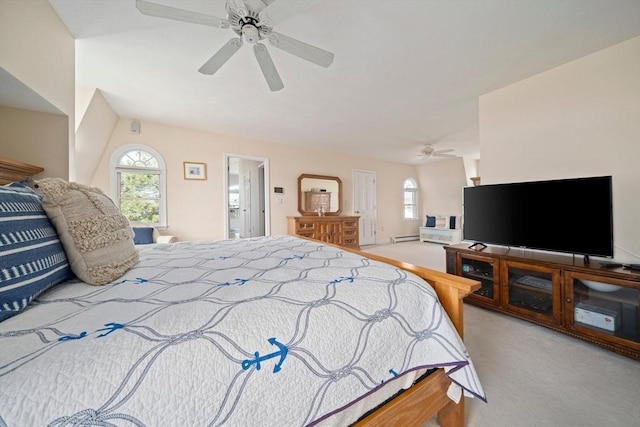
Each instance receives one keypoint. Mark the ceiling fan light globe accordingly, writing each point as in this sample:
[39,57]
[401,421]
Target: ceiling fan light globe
[251,34]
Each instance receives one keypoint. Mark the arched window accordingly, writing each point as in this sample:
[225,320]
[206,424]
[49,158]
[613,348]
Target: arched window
[410,199]
[138,177]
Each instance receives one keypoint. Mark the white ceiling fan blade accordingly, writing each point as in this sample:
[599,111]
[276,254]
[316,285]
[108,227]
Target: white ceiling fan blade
[301,49]
[168,12]
[280,10]
[443,155]
[448,150]
[238,7]
[267,66]
[221,56]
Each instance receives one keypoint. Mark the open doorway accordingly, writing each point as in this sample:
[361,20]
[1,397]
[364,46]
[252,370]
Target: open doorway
[246,184]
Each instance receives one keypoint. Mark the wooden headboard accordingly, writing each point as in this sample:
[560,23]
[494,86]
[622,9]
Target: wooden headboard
[13,170]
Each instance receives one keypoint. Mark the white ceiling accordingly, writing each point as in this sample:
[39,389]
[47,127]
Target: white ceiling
[405,72]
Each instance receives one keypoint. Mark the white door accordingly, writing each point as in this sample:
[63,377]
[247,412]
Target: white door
[364,204]
[261,202]
[245,206]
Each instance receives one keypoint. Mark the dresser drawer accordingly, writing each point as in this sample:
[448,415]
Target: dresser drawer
[302,226]
[350,224]
[350,234]
[334,229]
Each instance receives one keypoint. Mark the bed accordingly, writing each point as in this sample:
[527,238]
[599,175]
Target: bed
[277,330]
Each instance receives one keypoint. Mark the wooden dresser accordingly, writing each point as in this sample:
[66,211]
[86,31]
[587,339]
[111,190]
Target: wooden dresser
[336,229]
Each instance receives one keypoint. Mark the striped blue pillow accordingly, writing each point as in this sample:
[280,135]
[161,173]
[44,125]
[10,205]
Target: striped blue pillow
[32,258]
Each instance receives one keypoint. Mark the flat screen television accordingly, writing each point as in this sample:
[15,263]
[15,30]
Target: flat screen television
[566,215]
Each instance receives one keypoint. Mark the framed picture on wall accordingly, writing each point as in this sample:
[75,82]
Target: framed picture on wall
[195,170]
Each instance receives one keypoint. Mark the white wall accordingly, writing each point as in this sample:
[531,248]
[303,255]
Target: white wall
[196,208]
[92,136]
[32,137]
[579,119]
[84,96]
[441,186]
[37,48]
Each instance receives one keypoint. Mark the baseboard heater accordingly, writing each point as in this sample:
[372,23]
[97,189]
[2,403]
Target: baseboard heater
[397,239]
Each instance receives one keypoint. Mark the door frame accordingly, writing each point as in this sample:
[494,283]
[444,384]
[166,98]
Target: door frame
[246,204]
[264,189]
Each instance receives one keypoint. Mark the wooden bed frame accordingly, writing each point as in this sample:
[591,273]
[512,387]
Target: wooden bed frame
[12,170]
[423,400]
[427,397]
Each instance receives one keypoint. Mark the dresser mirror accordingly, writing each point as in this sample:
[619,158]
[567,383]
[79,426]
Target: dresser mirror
[319,195]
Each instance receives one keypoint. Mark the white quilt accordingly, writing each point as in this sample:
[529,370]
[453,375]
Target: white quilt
[251,332]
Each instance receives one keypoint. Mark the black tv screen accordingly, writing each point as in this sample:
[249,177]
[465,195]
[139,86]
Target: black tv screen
[568,215]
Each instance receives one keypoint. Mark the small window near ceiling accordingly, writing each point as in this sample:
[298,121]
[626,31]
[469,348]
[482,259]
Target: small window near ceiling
[410,199]
[139,185]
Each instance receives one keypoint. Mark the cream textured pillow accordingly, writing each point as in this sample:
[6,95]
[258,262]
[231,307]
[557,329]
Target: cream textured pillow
[96,237]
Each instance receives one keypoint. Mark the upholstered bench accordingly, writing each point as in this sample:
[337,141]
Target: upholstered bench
[442,229]
[440,235]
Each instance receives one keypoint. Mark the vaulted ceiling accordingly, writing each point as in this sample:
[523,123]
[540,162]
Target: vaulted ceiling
[405,73]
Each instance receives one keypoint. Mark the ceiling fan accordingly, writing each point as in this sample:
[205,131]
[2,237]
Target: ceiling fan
[252,20]
[428,151]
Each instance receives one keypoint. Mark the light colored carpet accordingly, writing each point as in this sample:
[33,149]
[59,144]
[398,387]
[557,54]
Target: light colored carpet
[533,376]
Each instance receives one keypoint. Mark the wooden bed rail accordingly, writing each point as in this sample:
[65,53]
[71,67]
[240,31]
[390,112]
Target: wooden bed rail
[428,397]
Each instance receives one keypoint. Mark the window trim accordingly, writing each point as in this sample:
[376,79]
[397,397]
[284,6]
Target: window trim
[113,172]
[414,190]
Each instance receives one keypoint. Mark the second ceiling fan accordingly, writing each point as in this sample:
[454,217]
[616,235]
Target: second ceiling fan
[428,151]
[252,20]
